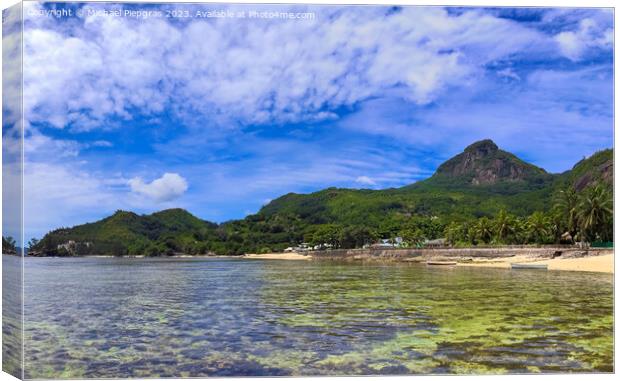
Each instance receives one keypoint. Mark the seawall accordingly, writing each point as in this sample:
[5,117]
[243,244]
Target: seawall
[456,254]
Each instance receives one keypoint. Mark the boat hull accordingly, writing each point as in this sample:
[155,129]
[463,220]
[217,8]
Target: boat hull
[525,267]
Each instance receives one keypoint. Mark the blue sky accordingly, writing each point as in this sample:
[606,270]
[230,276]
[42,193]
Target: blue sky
[219,116]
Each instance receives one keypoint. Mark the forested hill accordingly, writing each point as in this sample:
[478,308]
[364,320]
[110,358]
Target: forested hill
[483,163]
[476,185]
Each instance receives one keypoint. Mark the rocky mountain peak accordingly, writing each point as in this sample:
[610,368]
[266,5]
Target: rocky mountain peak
[483,163]
[482,148]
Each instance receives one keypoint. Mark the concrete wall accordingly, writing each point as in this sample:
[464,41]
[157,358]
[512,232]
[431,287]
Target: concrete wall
[456,253]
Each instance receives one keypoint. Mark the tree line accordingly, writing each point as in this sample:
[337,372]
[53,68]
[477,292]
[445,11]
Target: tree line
[586,216]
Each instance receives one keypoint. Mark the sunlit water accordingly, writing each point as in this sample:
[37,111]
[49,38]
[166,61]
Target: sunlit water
[106,317]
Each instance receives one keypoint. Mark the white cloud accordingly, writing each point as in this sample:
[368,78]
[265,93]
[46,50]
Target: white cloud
[66,192]
[571,44]
[589,35]
[11,66]
[166,188]
[102,143]
[41,147]
[256,72]
[365,180]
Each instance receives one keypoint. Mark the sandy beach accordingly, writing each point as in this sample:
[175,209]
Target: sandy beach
[602,263]
[287,256]
[599,263]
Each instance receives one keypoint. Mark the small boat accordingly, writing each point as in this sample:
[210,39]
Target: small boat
[520,266]
[441,263]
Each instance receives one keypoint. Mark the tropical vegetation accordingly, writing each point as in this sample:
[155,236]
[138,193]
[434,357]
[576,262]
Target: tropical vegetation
[483,196]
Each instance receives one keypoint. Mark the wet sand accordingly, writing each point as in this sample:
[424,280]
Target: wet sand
[598,263]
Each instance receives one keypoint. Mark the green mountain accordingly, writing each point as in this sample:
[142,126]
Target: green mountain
[479,182]
[127,233]
[483,163]
[597,168]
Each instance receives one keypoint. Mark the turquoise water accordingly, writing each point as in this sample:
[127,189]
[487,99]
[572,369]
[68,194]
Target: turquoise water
[111,317]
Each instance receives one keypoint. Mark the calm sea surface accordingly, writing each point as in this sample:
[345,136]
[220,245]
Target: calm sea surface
[107,317]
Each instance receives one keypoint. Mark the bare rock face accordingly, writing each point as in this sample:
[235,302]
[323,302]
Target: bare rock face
[483,163]
[603,172]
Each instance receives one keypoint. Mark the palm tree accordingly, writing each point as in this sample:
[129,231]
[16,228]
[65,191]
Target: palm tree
[565,207]
[520,230]
[455,232]
[595,213]
[539,228]
[483,230]
[504,226]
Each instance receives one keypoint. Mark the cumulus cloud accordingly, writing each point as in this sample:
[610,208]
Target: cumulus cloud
[365,180]
[11,66]
[589,35]
[259,71]
[166,188]
[67,192]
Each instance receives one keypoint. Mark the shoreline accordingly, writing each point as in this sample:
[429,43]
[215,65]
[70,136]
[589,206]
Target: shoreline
[593,260]
[600,261]
[184,256]
[594,263]
[283,256]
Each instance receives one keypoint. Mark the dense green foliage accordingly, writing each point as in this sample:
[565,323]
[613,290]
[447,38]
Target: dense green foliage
[585,216]
[125,233]
[598,168]
[8,245]
[482,196]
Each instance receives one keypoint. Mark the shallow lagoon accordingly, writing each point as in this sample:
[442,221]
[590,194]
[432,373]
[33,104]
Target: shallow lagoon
[112,317]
